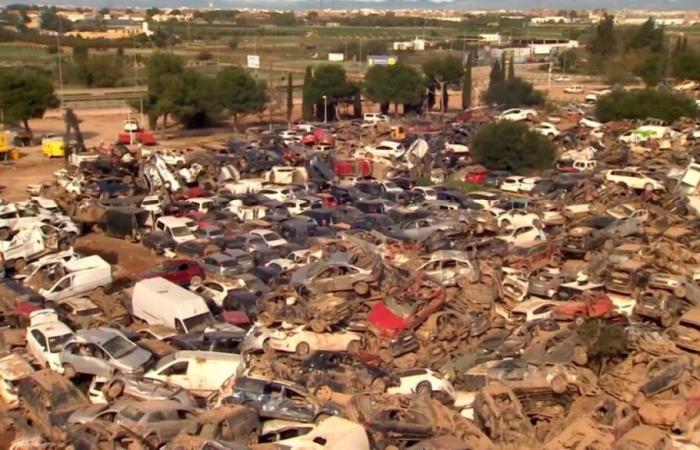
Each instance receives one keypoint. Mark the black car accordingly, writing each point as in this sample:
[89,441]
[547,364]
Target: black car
[342,371]
[158,242]
[495,177]
[347,194]
[460,198]
[215,341]
[108,187]
[257,161]
[278,400]
[196,248]
[126,223]
[323,217]
[371,188]
[369,222]
[405,183]
[371,206]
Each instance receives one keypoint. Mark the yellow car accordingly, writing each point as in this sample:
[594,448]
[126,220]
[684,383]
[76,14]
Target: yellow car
[53,147]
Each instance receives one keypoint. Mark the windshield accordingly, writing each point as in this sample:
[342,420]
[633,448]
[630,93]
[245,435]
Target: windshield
[118,347]
[199,322]
[272,236]
[180,231]
[228,263]
[88,312]
[131,413]
[56,343]
[402,310]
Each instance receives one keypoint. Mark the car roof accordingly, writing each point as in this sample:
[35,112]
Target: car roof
[95,335]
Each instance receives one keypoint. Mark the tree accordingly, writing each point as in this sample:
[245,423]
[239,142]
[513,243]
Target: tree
[329,80]
[567,59]
[103,11]
[648,36]
[393,84]
[441,72]
[100,71]
[290,97]
[240,93]
[51,21]
[233,43]
[686,65]
[604,42]
[512,146]
[163,71]
[503,66]
[644,103]
[307,104]
[513,93]
[496,74]
[150,12]
[511,68]
[25,96]
[467,85]
[651,69]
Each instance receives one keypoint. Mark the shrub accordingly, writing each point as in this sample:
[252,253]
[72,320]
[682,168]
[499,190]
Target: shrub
[512,146]
[204,56]
[645,103]
[514,92]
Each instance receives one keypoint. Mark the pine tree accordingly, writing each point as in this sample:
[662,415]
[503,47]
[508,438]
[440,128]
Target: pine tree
[467,85]
[503,67]
[511,68]
[678,46]
[496,75]
[307,104]
[290,98]
[685,43]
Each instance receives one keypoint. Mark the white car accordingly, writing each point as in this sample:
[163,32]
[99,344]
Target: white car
[574,89]
[296,259]
[484,198]
[390,186]
[131,126]
[528,184]
[547,129]
[517,114]
[13,368]
[517,218]
[279,193]
[373,118]
[533,309]
[386,150]
[427,192]
[590,122]
[297,206]
[422,381]
[686,86]
[562,78]
[633,178]
[46,337]
[330,433]
[216,290]
[628,210]
[303,341]
[511,184]
[523,235]
[152,204]
[271,238]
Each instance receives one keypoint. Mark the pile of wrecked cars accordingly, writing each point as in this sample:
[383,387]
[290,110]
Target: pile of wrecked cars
[306,292]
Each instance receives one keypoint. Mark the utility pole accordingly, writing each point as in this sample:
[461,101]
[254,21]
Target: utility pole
[60,71]
[272,93]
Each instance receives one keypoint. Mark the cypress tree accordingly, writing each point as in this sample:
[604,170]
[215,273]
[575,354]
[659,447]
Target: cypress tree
[307,105]
[496,75]
[511,68]
[467,85]
[503,66]
[290,98]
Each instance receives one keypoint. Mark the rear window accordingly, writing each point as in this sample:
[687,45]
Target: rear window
[249,384]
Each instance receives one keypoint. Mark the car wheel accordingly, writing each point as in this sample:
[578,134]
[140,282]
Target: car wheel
[354,346]
[195,280]
[361,288]
[378,385]
[302,349]
[530,117]
[638,399]
[324,393]
[19,264]
[580,356]
[648,187]
[267,347]
[424,387]
[559,385]
[98,292]
[114,389]
[129,238]
[680,291]
[68,371]
[579,320]
[666,320]
[152,441]
[252,438]
[4,234]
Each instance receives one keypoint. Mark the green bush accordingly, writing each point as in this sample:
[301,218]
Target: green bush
[512,146]
[645,103]
[514,92]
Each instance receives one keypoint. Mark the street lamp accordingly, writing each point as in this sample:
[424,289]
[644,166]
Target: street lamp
[325,109]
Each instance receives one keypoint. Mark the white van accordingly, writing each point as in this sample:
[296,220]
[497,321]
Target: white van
[584,165]
[177,228]
[158,301]
[199,372]
[82,276]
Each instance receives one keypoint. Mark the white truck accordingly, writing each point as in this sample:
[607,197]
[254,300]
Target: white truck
[30,244]
[12,221]
[246,213]
[177,228]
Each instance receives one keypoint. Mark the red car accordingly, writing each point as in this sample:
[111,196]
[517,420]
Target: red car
[591,304]
[140,137]
[180,271]
[476,176]
[328,200]
[360,168]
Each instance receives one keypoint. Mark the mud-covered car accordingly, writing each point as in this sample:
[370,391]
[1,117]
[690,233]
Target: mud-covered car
[592,304]
[562,346]
[641,376]
[450,267]
[581,242]
[49,399]
[528,379]
[228,423]
[628,277]
[499,413]
[533,256]
[104,436]
[341,272]
[343,372]
[686,332]
[659,305]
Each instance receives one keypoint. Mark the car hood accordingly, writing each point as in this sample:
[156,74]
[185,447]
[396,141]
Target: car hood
[137,359]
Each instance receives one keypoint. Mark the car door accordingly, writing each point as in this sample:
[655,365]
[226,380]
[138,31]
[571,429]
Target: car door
[87,358]
[448,268]
[38,346]
[297,405]
[176,373]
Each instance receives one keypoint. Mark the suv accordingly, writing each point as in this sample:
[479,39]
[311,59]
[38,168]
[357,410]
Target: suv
[278,399]
[532,256]
[582,241]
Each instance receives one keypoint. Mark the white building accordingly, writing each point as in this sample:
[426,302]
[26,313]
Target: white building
[490,38]
[415,44]
[549,19]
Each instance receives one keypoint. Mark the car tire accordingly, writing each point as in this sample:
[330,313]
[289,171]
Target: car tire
[680,291]
[324,393]
[580,356]
[361,288]
[252,438]
[579,320]
[302,349]
[114,389]
[559,385]
[19,264]
[98,292]
[195,280]
[153,441]
[4,234]
[378,385]
[424,387]
[648,187]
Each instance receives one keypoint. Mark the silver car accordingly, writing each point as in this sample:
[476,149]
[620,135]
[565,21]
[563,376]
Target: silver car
[103,351]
